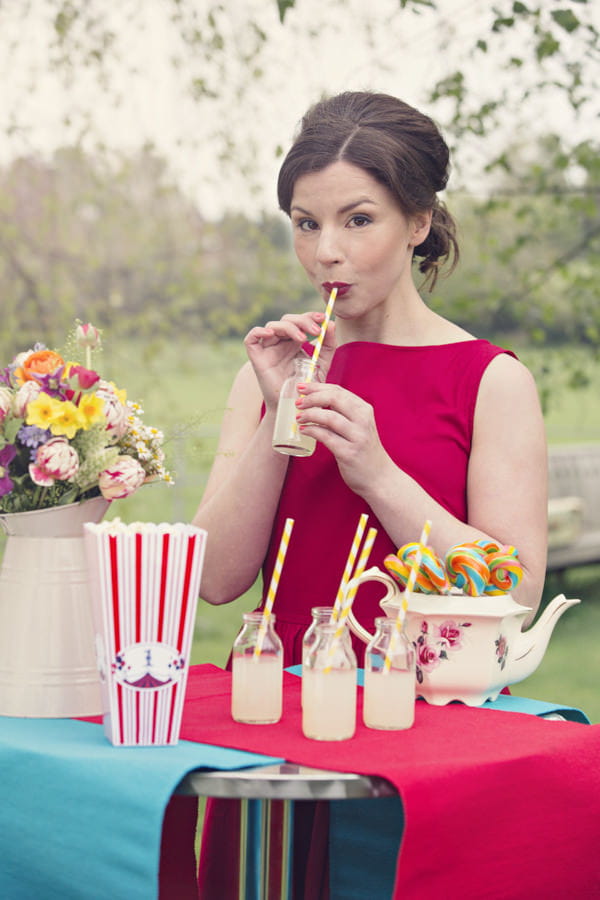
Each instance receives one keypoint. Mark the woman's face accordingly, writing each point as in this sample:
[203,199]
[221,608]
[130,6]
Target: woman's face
[349,232]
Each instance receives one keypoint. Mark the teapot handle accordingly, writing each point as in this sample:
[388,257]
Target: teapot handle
[372,574]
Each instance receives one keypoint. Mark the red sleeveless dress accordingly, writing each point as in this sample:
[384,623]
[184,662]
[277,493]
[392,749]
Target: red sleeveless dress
[424,402]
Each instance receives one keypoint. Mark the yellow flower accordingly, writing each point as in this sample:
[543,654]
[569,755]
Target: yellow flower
[91,408]
[67,420]
[42,411]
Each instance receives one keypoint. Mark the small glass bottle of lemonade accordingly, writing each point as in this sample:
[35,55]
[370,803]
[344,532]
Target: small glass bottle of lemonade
[329,686]
[287,437]
[389,691]
[320,615]
[257,679]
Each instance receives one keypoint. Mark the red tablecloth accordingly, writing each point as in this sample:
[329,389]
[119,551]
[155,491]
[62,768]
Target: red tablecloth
[497,804]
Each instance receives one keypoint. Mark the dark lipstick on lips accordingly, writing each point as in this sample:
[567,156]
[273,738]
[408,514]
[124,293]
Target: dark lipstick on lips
[342,287]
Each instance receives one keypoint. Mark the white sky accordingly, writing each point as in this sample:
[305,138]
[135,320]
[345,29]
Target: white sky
[323,46]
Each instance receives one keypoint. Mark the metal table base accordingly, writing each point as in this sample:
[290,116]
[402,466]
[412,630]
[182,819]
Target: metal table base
[256,788]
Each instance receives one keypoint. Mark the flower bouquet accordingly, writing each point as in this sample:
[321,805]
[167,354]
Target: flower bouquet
[67,434]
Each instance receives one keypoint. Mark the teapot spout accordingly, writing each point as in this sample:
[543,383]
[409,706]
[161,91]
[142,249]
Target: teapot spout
[532,644]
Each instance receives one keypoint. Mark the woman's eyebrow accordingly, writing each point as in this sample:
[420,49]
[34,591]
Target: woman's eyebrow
[343,209]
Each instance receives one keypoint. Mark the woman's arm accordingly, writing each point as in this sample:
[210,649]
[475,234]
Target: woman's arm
[243,489]
[241,495]
[506,482]
[508,470]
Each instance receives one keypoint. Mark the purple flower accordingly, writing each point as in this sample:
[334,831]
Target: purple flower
[7,454]
[31,436]
[52,383]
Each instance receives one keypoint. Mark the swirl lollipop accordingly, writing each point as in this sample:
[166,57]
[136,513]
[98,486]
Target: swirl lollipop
[488,546]
[505,570]
[431,575]
[467,568]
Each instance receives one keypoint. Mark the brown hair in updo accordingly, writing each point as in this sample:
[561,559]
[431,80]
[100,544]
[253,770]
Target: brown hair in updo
[396,144]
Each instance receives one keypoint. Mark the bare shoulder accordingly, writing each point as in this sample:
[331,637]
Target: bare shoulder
[508,411]
[507,377]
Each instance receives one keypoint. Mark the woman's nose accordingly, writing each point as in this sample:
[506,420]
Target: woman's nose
[329,248]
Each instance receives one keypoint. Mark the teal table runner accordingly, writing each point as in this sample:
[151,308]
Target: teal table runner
[66,792]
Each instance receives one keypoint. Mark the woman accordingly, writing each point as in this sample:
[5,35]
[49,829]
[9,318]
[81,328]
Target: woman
[417,419]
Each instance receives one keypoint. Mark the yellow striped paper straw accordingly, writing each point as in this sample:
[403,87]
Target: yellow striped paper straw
[412,577]
[321,337]
[349,596]
[268,608]
[318,344]
[360,528]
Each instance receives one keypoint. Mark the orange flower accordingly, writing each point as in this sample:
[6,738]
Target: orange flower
[41,362]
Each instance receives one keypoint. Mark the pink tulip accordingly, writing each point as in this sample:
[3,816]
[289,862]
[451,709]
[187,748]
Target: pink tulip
[26,393]
[121,479]
[56,460]
[5,403]
[115,413]
[87,336]
[81,379]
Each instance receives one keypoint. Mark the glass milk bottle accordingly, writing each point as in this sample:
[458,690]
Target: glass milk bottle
[287,437]
[329,681]
[389,695]
[320,615]
[257,681]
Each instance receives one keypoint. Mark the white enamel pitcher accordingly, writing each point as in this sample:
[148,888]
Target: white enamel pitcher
[47,656]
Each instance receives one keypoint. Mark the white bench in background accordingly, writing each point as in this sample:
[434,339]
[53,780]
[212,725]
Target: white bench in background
[573,506]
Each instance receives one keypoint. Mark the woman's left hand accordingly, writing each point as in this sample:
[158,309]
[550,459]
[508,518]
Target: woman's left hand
[345,424]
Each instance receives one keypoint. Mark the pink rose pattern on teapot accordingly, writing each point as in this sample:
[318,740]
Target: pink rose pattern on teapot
[433,646]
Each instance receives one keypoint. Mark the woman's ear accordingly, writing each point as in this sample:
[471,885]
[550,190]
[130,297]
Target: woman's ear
[419,227]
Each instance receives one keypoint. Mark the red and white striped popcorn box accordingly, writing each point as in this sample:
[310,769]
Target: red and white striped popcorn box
[144,584]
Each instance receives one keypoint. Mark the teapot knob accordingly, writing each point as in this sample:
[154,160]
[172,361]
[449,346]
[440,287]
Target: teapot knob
[391,598]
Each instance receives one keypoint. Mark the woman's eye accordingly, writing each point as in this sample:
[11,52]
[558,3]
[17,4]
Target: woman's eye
[359,220]
[306,225]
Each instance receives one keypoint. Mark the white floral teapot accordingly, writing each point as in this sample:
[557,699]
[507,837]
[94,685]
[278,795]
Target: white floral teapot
[468,648]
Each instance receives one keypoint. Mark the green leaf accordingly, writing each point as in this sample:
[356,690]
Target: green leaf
[69,496]
[430,3]
[503,22]
[566,18]
[283,6]
[11,426]
[547,46]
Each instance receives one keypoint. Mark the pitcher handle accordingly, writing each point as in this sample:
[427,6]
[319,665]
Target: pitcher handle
[372,574]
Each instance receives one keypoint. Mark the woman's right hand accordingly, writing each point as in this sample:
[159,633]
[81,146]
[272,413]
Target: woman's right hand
[272,347]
